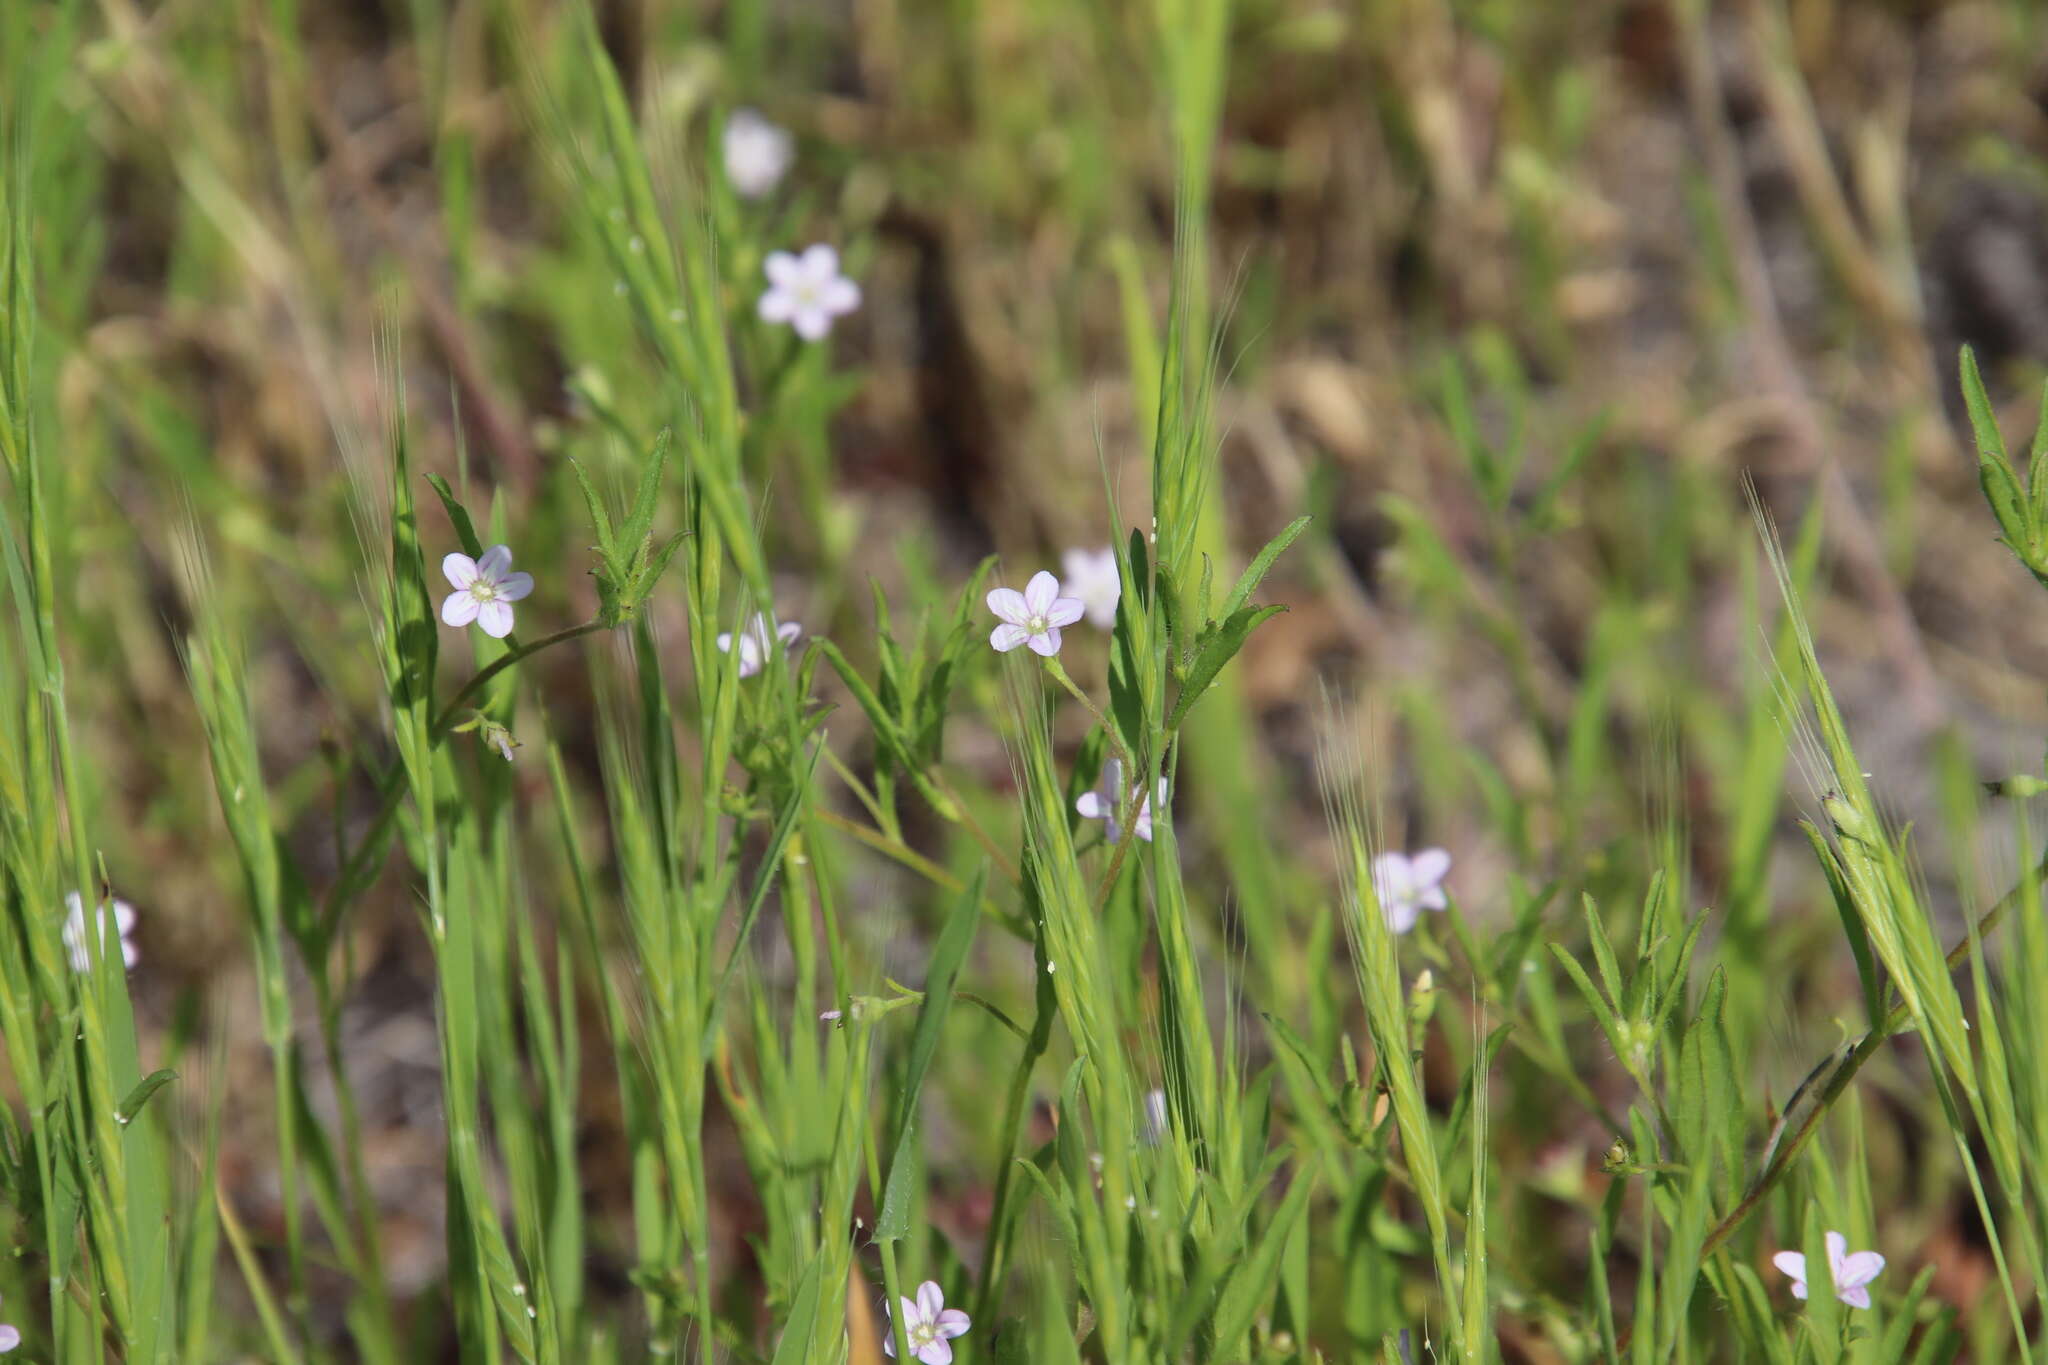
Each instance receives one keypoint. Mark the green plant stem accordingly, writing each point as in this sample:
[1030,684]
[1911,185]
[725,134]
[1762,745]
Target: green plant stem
[391,790]
[918,863]
[1846,1072]
[1059,675]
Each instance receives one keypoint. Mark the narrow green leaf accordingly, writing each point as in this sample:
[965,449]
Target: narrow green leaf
[893,1222]
[1218,646]
[131,1105]
[458,516]
[801,1326]
[1255,572]
[600,520]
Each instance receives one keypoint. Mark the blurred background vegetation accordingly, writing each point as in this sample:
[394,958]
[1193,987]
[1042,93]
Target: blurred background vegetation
[1515,298]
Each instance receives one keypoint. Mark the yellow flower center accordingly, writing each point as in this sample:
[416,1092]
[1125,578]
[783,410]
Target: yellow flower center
[483,590]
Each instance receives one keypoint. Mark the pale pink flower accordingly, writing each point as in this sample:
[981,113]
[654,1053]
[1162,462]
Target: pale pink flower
[1033,616]
[928,1326]
[10,1337]
[75,944]
[1101,804]
[1407,886]
[485,590]
[1852,1272]
[755,641]
[807,291]
[757,153]
[1091,576]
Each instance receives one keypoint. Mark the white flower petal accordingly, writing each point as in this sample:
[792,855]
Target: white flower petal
[931,1301]
[1430,866]
[936,1352]
[1400,915]
[496,619]
[782,269]
[9,1337]
[1092,806]
[1009,605]
[496,563]
[1859,1268]
[1792,1263]
[820,263]
[777,305]
[514,586]
[459,568]
[839,295]
[460,608]
[1007,637]
[1838,1247]
[1066,610]
[788,632]
[1041,592]
[952,1323]
[1856,1296]
[1046,642]
[812,324]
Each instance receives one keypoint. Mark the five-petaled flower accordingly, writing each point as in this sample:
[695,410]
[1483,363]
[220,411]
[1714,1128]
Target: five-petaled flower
[75,943]
[1407,886]
[928,1326]
[1092,577]
[754,642]
[1034,616]
[485,590]
[757,153]
[1852,1273]
[807,291]
[1101,804]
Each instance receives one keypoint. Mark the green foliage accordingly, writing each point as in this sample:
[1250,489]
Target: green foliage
[1180,1095]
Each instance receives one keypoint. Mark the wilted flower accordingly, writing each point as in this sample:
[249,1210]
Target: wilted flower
[928,1326]
[485,590]
[1092,577]
[807,291]
[1033,616]
[754,642]
[1852,1273]
[1101,804]
[757,153]
[1407,886]
[74,932]
[10,1337]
